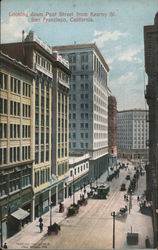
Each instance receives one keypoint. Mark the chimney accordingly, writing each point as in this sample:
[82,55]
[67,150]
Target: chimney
[23,32]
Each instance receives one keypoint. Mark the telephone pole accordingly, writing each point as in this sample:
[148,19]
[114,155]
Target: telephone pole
[113,215]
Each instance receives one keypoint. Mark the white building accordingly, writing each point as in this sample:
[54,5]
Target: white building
[78,172]
[132,133]
[88,103]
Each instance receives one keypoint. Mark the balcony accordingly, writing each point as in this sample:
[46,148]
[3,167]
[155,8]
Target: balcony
[61,59]
[43,70]
[64,83]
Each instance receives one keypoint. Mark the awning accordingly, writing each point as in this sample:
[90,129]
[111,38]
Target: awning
[20,214]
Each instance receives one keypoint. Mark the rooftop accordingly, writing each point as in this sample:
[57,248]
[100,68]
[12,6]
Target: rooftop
[82,46]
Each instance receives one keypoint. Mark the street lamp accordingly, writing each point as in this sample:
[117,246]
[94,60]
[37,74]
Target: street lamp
[114,216]
[51,205]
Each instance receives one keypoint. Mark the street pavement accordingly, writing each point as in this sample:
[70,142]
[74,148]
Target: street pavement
[92,226]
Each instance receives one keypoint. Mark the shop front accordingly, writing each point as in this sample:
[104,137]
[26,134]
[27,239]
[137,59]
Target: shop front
[60,192]
[41,203]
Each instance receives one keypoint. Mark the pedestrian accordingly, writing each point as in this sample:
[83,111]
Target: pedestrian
[138,198]
[147,242]
[41,227]
[40,220]
[5,245]
[124,197]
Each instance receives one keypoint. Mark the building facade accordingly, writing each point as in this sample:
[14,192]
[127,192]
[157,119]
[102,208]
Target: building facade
[112,130]
[151,68]
[16,157]
[50,104]
[88,104]
[60,125]
[78,173]
[132,134]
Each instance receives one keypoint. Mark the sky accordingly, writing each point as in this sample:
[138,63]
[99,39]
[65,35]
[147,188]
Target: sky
[116,26]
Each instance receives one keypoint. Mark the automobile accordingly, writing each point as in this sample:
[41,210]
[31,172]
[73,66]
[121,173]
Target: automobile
[123,210]
[128,177]
[123,187]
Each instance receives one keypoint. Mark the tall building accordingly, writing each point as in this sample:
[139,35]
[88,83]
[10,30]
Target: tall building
[112,129]
[16,151]
[132,134]
[151,68]
[49,121]
[60,126]
[88,103]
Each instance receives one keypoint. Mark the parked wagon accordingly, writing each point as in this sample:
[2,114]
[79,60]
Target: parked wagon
[55,228]
[73,210]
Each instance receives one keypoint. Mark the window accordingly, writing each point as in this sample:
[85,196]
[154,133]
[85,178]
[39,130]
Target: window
[11,130]
[42,156]
[1,130]
[11,155]
[0,156]
[74,116]
[1,105]
[11,107]
[18,153]
[5,156]
[15,154]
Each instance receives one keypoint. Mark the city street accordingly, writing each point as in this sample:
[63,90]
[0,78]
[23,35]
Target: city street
[92,227]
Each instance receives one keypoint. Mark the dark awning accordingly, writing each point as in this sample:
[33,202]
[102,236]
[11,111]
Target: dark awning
[20,214]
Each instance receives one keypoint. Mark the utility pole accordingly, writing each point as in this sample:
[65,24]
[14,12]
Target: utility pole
[51,204]
[73,190]
[130,201]
[113,215]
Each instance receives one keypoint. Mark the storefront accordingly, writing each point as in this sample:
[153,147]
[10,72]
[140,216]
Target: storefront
[60,192]
[41,203]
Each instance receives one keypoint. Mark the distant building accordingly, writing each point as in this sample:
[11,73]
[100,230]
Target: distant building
[88,130]
[112,129]
[132,134]
[151,68]
[16,151]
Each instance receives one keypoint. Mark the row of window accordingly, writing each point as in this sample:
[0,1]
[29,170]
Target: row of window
[37,160]
[14,154]
[42,177]
[61,153]
[15,109]
[83,57]
[79,169]
[26,131]
[63,168]
[14,130]
[26,89]
[3,130]
[3,106]
[43,62]
[42,138]
[26,110]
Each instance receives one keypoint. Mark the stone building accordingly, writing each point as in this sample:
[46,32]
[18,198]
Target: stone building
[16,151]
[88,104]
[132,134]
[52,74]
[112,130]
[60,126]
[151,68]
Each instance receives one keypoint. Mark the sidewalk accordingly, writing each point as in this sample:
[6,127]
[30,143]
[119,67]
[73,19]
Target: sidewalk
[30,234]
